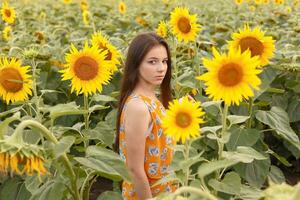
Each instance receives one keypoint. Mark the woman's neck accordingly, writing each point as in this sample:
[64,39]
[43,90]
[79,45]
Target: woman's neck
[145,90]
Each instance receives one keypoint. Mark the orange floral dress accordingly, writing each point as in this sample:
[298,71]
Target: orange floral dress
[158,154]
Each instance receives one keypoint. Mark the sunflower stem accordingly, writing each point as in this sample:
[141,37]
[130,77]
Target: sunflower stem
[86,108]
[250,111]
[49,136]
[186,157]
[86,184]
[34,87]
[224,129]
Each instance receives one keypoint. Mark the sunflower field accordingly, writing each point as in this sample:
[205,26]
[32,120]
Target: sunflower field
[60,69]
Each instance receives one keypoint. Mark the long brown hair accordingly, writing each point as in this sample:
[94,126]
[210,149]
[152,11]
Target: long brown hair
[137,50]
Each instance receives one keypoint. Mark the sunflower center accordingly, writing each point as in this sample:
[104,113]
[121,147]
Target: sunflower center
[253,44]
[86,68]
[109,54]
[184,25]
[7,12]
[11,80]
[230,74]
[183,119]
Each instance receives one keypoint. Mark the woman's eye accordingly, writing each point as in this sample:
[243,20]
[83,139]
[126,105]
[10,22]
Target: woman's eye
[165,61]
[152,61]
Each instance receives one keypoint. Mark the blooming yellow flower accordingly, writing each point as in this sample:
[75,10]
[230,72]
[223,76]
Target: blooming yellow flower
[7,33]
[279,2]
[113,55]
[231,77]
[238,2]
[67,1]
[184,26]
[162,29]
[8,13]
[122,7]
[87,69]
[183,119]
[254,40]
[15,82]
[86,17]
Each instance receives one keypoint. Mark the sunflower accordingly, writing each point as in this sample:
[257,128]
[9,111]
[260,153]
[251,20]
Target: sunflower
[266,1]
[279,2]
[162,29]
[258,2]
[113,55]
[19,157]
[231,77]
[238,2]
[7,33]
[122,7]
[86,17]
[84,5]
[182,119]
[39,36]
[15,82]
[87,69]
[8,13]
[67,1]
[254,40]
[184,25]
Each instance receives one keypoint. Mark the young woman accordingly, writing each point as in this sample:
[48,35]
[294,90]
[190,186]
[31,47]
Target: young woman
[140,139]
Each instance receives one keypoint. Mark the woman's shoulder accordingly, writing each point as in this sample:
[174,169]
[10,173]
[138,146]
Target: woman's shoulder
[136,106]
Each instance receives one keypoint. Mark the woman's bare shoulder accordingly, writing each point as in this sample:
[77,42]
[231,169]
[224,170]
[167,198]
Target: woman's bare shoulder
[136,106]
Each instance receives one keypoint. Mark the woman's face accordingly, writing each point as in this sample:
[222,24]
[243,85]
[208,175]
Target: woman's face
[153,68]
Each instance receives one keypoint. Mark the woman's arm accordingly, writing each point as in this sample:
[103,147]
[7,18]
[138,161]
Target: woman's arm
[137,118]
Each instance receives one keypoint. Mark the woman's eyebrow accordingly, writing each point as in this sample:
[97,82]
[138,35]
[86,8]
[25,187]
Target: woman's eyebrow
[166,58]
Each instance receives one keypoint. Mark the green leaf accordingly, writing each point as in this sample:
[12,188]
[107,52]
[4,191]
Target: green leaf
[242,137]
[14,189]
[278,119]
[103,132]
[63,146]
[276,175]
[244,154]
[97,107]
[255,173]
[4,125]
[207,168]
[212,129]
[106,162]
[110,195]
[231,184]
[294,110]
[237,119]
[250,193]
[105,98]
[64,110]
[267,76]
[10,111]
[51,190]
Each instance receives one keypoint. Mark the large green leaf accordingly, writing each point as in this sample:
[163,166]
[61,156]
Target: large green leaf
[237,119]
[4,125]
[242,137]
[244,154]
[267,76]
[64,110]
[14,189]
[278,119]
[294,110]
[276,175]
[231,184]
[255,173]
[207,168]
[106,162]
[63,146]
[51,190]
